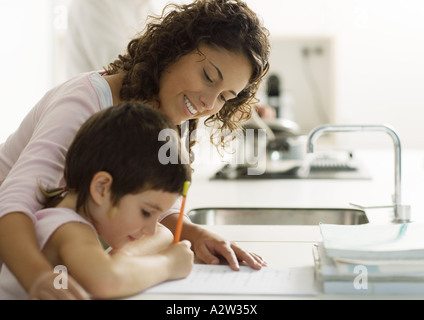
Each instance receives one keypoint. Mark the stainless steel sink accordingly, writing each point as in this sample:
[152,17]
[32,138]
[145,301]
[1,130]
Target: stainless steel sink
[277,216]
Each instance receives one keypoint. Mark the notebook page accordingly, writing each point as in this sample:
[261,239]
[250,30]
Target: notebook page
[220,279]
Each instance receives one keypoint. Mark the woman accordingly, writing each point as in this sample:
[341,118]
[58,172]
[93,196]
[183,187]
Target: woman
[202,59]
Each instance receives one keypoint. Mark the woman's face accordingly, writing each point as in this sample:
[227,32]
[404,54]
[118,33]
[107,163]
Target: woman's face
[199,84]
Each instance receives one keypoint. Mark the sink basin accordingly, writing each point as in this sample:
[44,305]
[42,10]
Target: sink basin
[277,216]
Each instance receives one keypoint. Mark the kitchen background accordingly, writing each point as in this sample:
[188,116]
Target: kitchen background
[339,61]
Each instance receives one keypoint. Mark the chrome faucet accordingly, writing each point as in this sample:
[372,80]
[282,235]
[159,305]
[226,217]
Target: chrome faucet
[401,211]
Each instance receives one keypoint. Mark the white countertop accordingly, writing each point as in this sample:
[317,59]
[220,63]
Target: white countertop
[291,246]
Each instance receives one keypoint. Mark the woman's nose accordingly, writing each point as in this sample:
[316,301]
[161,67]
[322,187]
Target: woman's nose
[208,99]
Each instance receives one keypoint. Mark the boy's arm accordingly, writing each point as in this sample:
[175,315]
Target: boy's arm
[148,244]
[116,275]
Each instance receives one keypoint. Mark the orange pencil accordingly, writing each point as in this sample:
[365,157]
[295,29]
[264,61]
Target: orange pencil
[181,216]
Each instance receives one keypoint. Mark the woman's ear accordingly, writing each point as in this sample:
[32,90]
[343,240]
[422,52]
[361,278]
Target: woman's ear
[100,187]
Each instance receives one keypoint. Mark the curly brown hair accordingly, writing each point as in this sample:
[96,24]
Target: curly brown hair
[227,24]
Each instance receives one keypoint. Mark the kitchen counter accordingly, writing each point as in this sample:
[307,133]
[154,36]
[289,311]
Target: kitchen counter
[291,246]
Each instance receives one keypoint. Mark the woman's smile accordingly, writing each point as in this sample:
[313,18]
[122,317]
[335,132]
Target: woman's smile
[192,109]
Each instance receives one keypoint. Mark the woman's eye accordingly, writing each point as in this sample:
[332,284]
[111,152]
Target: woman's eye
[206,76]
[221,96]
[145,213]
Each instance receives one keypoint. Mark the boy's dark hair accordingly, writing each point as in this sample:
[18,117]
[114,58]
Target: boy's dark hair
[123,141]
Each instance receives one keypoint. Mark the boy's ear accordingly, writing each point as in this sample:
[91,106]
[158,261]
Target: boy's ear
[100,187]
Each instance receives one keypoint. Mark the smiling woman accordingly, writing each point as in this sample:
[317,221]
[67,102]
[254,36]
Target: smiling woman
[200,83]
[206,58]
[206,34]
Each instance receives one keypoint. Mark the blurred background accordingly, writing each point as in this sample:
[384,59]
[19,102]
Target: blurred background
[334,61]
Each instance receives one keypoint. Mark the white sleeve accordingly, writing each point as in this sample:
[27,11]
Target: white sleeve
[98,31]
[175,209]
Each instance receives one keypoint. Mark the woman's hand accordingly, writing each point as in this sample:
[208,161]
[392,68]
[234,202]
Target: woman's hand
[210,247]
[44,289]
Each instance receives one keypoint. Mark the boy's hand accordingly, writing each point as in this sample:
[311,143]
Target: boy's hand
[182,259]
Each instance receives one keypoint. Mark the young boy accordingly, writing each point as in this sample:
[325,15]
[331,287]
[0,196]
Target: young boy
[116,187]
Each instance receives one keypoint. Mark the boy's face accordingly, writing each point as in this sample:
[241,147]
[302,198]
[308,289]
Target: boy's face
[134,216]
[198,85]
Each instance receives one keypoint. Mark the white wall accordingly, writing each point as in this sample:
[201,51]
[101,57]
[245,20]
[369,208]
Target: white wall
[25,55]
[378,52]
[379,58]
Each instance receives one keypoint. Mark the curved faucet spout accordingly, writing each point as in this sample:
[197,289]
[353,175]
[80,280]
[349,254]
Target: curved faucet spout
[401,212]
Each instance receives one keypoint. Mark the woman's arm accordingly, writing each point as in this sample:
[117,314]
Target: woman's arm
[36,152]
[25,248]
[38,278]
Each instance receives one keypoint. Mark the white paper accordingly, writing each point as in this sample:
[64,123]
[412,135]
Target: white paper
[220,279]
[374,241]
